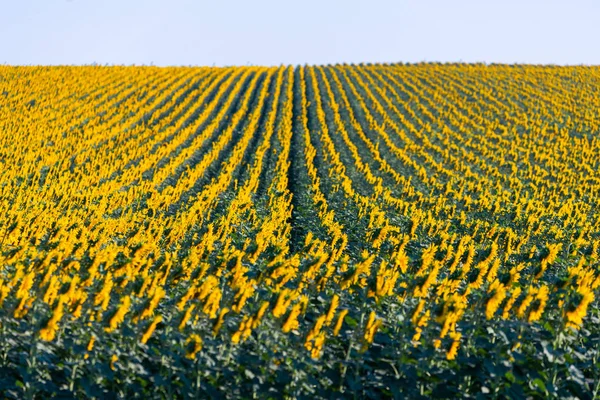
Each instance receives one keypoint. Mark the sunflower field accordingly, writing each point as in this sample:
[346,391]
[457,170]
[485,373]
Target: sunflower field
[347,231]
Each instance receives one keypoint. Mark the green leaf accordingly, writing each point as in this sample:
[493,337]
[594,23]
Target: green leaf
[540,384]
[510,376]
[350,321]
[249,374]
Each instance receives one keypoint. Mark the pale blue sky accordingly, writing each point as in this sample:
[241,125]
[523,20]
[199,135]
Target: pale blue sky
[271,32]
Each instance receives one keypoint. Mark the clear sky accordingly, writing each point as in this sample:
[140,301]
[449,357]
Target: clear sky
[273,32]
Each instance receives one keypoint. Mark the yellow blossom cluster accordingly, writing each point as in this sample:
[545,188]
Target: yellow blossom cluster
[147,196]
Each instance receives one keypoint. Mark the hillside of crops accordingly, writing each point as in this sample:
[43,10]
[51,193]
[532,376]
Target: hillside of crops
[347,231]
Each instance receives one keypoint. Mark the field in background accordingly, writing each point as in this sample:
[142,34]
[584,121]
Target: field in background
[373,230]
